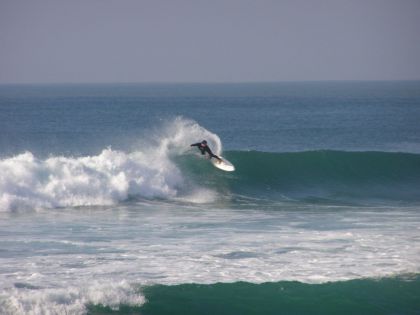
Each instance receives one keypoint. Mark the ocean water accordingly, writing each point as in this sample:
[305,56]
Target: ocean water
[106,209]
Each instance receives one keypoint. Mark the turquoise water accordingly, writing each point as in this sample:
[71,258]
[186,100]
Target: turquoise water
[382,296]
[105,208]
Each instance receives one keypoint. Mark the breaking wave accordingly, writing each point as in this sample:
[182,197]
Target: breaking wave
[164,167]
[27,182]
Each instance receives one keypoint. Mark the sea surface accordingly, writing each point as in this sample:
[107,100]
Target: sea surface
[106,209]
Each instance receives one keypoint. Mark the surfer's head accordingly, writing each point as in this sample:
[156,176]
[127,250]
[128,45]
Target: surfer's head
[204,142]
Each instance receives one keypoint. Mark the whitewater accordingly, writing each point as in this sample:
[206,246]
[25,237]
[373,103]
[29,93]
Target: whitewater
[112,176]
[105,207]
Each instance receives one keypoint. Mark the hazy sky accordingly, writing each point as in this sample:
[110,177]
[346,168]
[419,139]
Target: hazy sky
[213,40]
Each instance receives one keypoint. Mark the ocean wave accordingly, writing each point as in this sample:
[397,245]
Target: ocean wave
[332,177]
[27,182]
[327,175]
[165,167]
[396,295]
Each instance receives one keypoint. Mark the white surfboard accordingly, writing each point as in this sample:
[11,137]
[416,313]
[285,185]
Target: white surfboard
[224,165]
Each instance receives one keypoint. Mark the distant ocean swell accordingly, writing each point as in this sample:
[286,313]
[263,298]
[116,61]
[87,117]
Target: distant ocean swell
[362,296]
[165,167]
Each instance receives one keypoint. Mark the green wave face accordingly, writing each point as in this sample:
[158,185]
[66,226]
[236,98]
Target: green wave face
[315,176]
[363,296]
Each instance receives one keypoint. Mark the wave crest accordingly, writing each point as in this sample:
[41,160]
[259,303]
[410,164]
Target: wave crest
[109,177]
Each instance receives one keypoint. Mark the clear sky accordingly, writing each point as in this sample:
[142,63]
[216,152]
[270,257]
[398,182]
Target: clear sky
[208,41]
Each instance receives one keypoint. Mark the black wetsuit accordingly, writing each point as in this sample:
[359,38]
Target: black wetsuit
[204,149]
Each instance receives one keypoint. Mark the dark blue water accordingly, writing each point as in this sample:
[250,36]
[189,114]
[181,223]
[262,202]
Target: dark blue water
[275,117]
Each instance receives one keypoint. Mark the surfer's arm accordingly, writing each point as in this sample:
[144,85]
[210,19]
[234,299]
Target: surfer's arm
[195,144]
[215,156]
[211,154]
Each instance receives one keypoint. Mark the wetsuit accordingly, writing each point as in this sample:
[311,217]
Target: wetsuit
[204,149]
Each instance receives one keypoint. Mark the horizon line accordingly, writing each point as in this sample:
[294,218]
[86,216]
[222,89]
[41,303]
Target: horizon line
[203,82]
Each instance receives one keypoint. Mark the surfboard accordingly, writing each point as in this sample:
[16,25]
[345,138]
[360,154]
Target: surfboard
[224,165]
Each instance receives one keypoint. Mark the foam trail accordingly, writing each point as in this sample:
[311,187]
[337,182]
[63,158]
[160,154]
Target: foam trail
[27,182]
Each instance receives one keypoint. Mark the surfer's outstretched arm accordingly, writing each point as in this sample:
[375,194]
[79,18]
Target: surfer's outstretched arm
[195,144]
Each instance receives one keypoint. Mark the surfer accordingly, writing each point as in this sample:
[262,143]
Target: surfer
[203,147]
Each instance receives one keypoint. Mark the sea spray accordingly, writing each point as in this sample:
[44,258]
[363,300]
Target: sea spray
[27,182]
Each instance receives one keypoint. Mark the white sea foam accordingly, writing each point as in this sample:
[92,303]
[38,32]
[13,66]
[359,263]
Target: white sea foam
[54,264]
[69,300]
[27,182]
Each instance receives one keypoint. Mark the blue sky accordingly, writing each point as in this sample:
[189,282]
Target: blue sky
[55,41]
